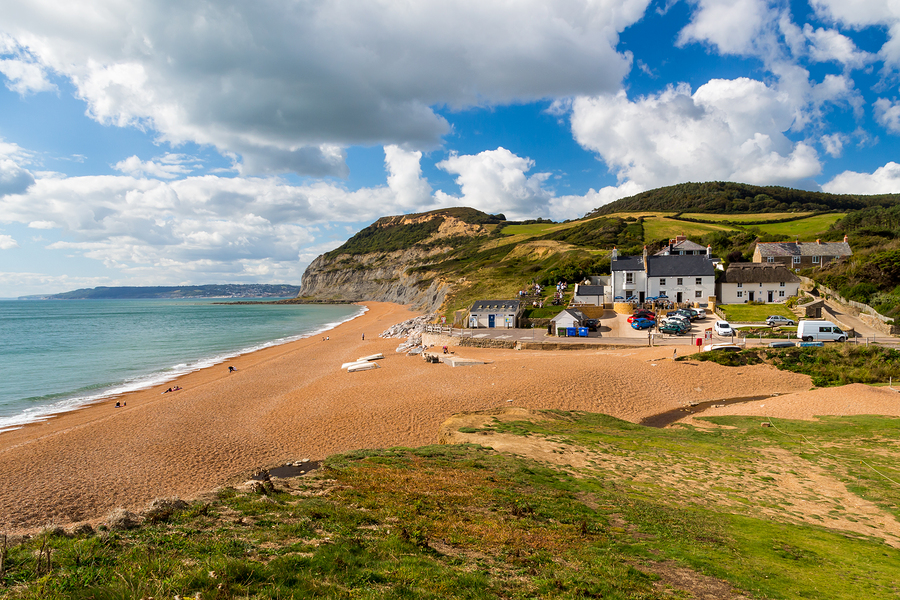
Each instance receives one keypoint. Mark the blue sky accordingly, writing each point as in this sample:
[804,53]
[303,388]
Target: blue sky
[162,143]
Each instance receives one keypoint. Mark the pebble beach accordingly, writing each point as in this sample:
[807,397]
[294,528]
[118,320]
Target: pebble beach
[294,401]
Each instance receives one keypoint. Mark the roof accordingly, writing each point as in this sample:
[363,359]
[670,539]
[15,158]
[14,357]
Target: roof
[680,265]
[628,263]
[682,246]
[817,248]
[489,305]
[571,312]
[589,290]
[758,273]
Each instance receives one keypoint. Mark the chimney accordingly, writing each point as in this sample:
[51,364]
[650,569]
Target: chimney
[615,254]
[645,258]
[819,242]
[709,251]
[845,238]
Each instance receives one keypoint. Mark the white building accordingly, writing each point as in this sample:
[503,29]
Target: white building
[588,294]
[757,282]
[495,313]
[680,278]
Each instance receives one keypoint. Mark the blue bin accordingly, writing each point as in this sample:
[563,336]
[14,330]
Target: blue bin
[572,331]
[582,331]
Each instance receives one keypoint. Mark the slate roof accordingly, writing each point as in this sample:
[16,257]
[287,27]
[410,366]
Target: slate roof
[680,266]
[572,312]
[758,273]
[495,305]
[684,246]
[775,249]
[589,290]
[628,263]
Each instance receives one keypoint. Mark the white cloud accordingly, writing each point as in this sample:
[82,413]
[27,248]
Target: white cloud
[887,114]
[828,45]
[494,181]
[834,144]
[733,26]
[169,166]
[867,13]
[7,242]
[885,180]
[727,130]
[25,77]
[568,207]
[286,86]
[405,178]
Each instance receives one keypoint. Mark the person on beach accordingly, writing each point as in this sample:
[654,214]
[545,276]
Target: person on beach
[364,337]
[675,354]
[231,369]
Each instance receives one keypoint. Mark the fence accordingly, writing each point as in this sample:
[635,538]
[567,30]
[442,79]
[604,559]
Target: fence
[865,308]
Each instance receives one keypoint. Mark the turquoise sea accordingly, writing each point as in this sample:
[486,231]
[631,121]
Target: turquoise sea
[58,355]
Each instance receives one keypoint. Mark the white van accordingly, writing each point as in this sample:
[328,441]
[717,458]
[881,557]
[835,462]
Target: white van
[825,331]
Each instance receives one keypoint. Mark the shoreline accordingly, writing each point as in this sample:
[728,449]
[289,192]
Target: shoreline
[44,413]
[293,401]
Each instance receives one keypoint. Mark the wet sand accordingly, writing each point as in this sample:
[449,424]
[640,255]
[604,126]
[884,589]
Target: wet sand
[294,401]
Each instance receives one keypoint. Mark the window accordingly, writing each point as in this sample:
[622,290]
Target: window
[662,292]
[679,281]
[796,260]
[698,281]
[770,259]
[816,260]
[698,294]
[662,281]
[781,293]
[740,285]
[780,284]
[740,294]
[629,277]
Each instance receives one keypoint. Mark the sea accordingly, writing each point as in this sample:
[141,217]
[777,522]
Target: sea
[60,355]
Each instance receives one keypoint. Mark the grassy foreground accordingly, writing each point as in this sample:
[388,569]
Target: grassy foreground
[649,514]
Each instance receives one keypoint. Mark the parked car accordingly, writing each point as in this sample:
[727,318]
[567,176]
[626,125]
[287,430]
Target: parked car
[700,312]
[592,324]
[824,331]
[692,313]
[778,320]
[782,344]
[640,323]
[683,320]
[673,328]
[642,314]
[724,329]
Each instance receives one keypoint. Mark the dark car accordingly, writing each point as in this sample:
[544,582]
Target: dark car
[592,324]
[673,328]
[641,323]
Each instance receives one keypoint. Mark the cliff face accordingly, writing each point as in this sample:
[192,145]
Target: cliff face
[345,274]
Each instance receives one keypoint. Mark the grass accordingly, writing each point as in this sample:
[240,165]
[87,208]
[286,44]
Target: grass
[738,218]
[755,313]
[660,228]
[466,522]
[805,229]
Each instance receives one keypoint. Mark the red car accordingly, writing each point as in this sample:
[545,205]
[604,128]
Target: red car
[642,314]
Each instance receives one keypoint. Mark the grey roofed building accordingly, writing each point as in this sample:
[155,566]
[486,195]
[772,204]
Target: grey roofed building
[628,263]
[495,313]
[758,273]
[588,294]
[680,266]
[495,305]
[681,245]
[816,248]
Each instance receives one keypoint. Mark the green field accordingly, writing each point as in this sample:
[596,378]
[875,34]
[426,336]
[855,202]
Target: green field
[665,229]
[739,218]
[806,230]
[755,313]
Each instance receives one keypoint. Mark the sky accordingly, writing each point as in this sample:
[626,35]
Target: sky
[162,142]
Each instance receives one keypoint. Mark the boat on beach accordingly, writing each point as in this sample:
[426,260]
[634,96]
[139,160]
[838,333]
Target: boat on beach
[362,366]
[370,357]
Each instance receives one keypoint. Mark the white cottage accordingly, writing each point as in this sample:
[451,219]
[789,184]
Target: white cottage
[680,278]
[495,313]
[756,282]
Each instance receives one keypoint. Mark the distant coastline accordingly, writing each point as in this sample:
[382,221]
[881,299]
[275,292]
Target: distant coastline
[186,292]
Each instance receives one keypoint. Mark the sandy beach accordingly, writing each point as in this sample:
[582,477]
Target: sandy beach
[294,401]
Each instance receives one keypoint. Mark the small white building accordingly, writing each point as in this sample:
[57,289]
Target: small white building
[495,314]
[570,317]
[588,294]
[756,282]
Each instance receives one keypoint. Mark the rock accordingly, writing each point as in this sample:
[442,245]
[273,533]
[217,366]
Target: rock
[765,424]
[82,529]
[122,519]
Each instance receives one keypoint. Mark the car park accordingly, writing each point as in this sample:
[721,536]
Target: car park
[778,321]
[782,344]
[641,323]
[724,329]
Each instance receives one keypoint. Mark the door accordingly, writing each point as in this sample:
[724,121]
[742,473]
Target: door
[678,298]
[750,296]
[771,296]
[641,297]
[491,320]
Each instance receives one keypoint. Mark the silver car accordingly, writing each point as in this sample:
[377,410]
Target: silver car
[778,320]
